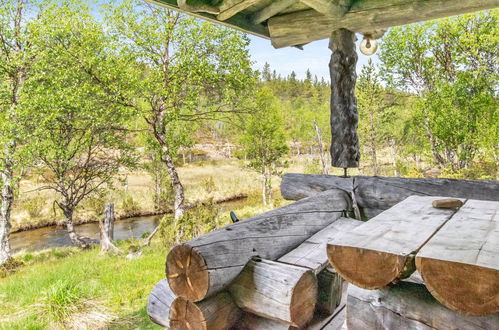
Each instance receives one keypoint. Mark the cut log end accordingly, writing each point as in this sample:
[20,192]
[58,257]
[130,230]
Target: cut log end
[368,269]
[461,287]
[187,273]
[215,313]
[185,315]
[304,299]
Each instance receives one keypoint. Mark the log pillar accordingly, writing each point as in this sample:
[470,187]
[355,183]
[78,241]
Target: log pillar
[344,116]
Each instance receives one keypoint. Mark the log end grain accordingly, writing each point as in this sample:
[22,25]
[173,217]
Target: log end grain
[187,273]
[304,299]
[215,313]
[186,315]
[448,203]
[368,269]
[469,289]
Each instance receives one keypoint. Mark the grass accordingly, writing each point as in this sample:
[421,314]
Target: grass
[81,290]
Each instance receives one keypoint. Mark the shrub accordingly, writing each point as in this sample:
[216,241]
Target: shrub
[96,205]
[129,205]
[34,206]
[208,185]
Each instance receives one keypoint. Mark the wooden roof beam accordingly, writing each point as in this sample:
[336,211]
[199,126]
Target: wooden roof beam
[331,8]
[239,7]
[365,17]
[271,10]
[239,21]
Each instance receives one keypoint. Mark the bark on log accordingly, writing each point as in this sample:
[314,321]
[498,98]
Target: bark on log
[159,303]
[344,117]
[276,291]
[460,264]
[381,193]
[208,264]
[407,306]
[385,246]
[216,313]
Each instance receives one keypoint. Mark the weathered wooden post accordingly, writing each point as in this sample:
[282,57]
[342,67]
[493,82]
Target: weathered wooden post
[344,116]
[107,230]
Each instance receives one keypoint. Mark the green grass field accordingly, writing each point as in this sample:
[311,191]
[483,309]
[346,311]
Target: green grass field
[66,288]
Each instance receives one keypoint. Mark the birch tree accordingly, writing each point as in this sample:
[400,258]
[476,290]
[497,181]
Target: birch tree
[190,71]
[15,64]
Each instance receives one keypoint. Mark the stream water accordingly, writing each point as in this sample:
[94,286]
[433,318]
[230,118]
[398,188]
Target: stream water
[55,236]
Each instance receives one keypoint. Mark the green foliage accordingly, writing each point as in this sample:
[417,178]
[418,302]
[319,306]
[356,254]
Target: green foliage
[195,222]
[451,64]
[76,108]
[264,139]
[34,206]
[129,205]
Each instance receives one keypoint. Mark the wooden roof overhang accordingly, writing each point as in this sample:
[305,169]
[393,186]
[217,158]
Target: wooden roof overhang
[298,22]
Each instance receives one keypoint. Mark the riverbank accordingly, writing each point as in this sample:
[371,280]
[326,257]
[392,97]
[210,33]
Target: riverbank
[77,222]
[133,194]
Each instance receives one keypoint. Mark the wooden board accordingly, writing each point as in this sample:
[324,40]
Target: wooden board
[381,251]
[312,253]
[159,302]
[407,306]
[460,264]
[208,264]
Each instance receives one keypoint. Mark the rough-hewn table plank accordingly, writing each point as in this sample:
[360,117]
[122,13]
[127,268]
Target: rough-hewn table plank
[381,251]
[460,264]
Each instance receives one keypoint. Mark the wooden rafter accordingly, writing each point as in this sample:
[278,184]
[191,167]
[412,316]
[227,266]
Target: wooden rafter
[239,21]
[237,8]
[366,16]
[271,10]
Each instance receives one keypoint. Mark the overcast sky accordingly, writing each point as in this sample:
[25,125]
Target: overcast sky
[314,56]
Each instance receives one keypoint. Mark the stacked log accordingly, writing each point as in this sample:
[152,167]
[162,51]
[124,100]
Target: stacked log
[159,303]
[207,265]
[276,291]
[406,306]
[376,194]
[222,275]
[271,271]
[460,263]
[217,312]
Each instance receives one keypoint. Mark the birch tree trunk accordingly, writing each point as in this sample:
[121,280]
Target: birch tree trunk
[178,188]
[7,199]
[75,239]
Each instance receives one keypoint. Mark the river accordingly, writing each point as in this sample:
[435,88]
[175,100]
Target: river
[55,236]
